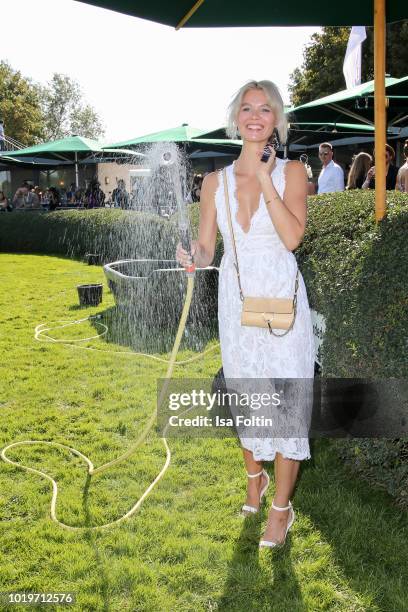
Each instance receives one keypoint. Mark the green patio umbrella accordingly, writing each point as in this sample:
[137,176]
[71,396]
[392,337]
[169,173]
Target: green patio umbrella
[303,135]
[397,94]
[315,133]
[356,103]
[212,13]
[71,149]
[183,133]
[187,135]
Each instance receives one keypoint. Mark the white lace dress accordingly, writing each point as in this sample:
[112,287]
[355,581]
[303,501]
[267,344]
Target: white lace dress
[268,269]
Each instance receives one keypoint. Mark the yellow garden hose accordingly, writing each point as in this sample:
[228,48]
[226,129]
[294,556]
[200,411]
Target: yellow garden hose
[40,335]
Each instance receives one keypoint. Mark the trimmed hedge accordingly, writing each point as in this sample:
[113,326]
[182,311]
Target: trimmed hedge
[114,234]
[356,273]
[355,270]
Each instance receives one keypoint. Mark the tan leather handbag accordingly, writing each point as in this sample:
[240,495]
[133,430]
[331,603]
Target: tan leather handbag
[271,313]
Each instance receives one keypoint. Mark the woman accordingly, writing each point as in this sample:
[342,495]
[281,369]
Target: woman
[268,210]
[362,162]
[391,171]
[402,177]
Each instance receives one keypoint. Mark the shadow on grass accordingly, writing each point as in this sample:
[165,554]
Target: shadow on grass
[366,531]
[254,586]
[142,334]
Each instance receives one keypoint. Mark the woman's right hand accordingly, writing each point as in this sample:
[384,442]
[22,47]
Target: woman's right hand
[371,172]
[184,258]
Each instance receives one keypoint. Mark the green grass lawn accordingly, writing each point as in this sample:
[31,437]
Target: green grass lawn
[185,549]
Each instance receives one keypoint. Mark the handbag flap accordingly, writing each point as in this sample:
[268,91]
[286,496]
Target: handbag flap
[259,304]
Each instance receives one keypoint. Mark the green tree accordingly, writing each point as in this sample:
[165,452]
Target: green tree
[321,73]
[64,112]
[20,106]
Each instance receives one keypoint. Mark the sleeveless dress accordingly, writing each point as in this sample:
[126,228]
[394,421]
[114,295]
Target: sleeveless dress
[267,269]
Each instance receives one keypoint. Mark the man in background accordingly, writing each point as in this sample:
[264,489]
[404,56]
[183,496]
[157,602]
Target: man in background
[331,177]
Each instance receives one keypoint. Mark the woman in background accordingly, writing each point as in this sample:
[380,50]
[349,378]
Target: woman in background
[362,162]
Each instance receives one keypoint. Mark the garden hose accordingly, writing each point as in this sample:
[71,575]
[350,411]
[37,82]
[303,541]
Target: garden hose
[40,335]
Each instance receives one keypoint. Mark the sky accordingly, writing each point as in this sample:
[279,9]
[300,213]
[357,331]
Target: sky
[143,77]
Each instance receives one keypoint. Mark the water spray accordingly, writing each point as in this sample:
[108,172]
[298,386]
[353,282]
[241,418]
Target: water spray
[170,158]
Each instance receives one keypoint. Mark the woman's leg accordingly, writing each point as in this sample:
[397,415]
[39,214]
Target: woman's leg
[286,472]
[254,484]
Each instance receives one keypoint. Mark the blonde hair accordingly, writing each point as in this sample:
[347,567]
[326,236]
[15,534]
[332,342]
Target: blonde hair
[274,99]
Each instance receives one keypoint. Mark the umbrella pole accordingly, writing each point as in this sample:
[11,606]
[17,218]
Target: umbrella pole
[379,107]
[76,171]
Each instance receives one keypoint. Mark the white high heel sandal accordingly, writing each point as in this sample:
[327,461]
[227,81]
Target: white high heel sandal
[291,518]
[246,510]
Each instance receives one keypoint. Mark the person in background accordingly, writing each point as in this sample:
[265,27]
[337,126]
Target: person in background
[79,196]
[331,177]
[2,147]
[39,195]
[402,176]
[5,205]
[71,194]
[390,169]
[94,196]
[120,196]
[196,189]
[362,162]
[53,198]
[20,197]
[32,201]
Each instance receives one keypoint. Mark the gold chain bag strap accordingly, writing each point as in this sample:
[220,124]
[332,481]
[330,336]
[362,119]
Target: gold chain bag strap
[278,313]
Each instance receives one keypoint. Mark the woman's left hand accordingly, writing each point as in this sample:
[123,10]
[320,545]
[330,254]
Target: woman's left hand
[265,168]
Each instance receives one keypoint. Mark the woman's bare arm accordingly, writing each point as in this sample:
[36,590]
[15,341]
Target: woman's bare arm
[203,249]
[402,180]
[288,214]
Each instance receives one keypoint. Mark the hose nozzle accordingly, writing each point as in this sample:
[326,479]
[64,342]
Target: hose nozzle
[167,158]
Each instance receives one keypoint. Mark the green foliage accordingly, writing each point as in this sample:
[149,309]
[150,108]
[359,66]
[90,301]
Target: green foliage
[381,462]
[356,275]
[34,113]
[321,73]
[20,106]
[64,112]
[113,234]
[356,280]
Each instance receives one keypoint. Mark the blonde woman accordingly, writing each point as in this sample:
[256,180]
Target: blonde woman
[362,162]
[268,210]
